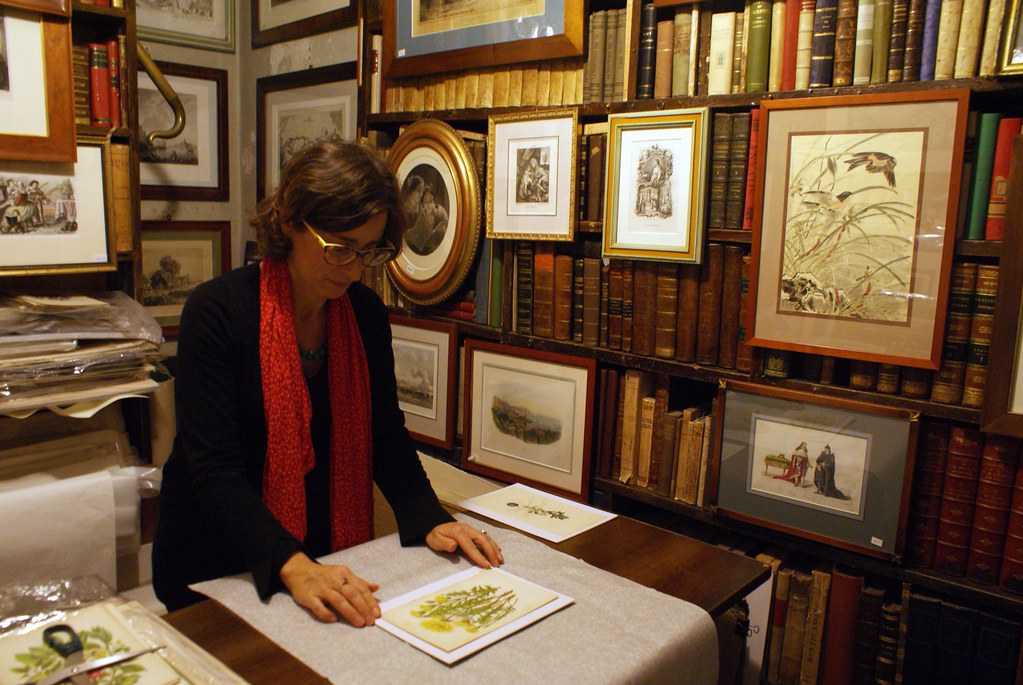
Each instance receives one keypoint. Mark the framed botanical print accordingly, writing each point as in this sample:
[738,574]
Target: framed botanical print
[274,21]
[853,224]
[424,368]
[531,175]
[296,110]
[208,25]
[194,165]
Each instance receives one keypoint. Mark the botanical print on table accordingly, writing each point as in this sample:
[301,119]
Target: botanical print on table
[415,369]
[5,78]
[537,512]
[38,205]
[532,189]
[434,16]
[812,467]
[427,206]
[171,269]
[156,115]
[850,225]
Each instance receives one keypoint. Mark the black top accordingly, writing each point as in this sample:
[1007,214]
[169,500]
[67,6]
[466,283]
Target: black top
[213,521]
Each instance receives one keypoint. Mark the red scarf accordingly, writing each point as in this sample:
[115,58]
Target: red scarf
[289,451]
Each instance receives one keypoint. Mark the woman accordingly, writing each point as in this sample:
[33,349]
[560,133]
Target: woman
[287,407]
[824,475]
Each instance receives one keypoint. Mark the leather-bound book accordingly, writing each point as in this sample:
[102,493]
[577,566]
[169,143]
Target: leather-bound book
[758,46]
[663,58]
[583,181]
[998,641]
[601,467]
[810,366]
[779,611]
[1008,129]
[543,290]
[596,143]
[971,30]
[827,367]
[881,39]
[99,85]
[731,293]
[702,67]
[616,450]
[1011,575]
[524,286]
[813,636]
[647,52]
[738,43]
[708,322]
[605,271]
[840,638]
[609,423]
[661,392]
[822,51]
[862,375]
[795,628]
[777,363]
[644,301]
[925,505]
[845,43]
[947,384]
[681,38]
[719,156]
[887,644]
[738,157]
[596,57]
[958,494]
[897,40]
[914,40]
[991,514]
[982,324]
[774,77]
[688,311]
[957,634]
[80,78]
[743,350]
[628,303]
[863,53]
[591,301]
[611,50]
[916,382]
[638,385]
[577,300]
[665,310]
[804,43]
[889,378]
[868,625]
[667,452]
[921,639]
[948,39]
[646,423]
[562,296]
[614,305]
[748,208]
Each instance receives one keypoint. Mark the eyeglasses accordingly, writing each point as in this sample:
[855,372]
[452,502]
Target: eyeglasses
[336,254]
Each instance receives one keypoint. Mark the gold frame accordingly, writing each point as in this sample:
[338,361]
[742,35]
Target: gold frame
[1011,29]
[421,280]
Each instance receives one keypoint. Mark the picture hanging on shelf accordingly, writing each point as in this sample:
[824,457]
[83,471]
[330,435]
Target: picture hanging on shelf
[656,165]
[828,469]
[274,21]
[205,25]
[192,166]
[1011,61]
[853,227]
[425,367]
[531,175]
[441,190]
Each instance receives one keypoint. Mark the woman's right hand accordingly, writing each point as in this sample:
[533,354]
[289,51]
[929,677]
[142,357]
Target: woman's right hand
[329,591]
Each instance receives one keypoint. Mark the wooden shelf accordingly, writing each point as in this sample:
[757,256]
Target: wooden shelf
[113,13]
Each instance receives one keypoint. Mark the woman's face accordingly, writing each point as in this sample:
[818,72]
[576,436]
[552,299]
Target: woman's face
[311,276]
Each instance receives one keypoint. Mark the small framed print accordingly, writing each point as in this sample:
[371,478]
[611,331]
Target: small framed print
[424,368]
[208,25]
[827,469]
[274,21]
[531,175]
[194,165]
[176,257]
[56,217]
[656,163]
[529,417]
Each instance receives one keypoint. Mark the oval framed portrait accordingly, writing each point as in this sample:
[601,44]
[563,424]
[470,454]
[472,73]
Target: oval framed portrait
[441,193]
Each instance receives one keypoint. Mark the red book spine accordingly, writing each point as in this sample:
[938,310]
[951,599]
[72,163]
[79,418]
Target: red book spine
[751,170]
[955,521]
[99,84]
[1011,575]
[1008,128]
[114,65]
[926,503]
[991,515]
[791,37]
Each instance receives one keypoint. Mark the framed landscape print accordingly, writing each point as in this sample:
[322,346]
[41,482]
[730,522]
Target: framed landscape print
[176,257]
[425,367]
[192,166]
[531,175]
[426,38]
[56,217]
[853,224]
[831,470]
[440,188]
[208,25]
[656,163]
[528,417]
[37,119]
[274,21]
[296,110]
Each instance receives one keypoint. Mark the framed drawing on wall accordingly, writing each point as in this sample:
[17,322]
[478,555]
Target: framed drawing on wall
[194,165]
[656,163]
[176,257]
[827,469]
[296,110]
[56,217]
[37,120]
[529,417]
[207,25]
[424,367]
[274,21]
[440,188]
[531,175]
[851,248]
[426,38]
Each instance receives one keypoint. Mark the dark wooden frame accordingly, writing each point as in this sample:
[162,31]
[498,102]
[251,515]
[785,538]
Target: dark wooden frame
[308,26]
[470,461]
[567,44]
[59,145]
[813,529]
[450,357]
[222,190]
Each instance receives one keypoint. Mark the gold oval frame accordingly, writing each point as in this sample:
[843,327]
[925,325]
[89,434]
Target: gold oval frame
[445,142]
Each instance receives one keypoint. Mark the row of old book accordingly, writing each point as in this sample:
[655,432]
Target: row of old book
[834,626]
[96,71]
[985,181]
[966,511]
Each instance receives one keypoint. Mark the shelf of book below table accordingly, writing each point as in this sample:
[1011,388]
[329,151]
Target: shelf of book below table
[646,505]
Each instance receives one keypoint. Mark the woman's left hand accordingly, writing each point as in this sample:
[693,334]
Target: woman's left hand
[475,543]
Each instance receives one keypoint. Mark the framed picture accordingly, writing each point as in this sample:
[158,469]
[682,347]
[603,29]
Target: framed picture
[656,163]
[1011,57]
[296,110]
[37,118]
[1003,395]
[424,367]
[827,469]
[176,257]
[56,217]
[531,175]
[529,417]
[851,257]
[274,21]
[194,165]
[425,38]
[207,25]
[440,188]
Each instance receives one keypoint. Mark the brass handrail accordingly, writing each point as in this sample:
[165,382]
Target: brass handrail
[160,81]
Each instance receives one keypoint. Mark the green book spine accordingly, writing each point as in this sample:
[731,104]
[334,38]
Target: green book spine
[758,51]
[882,36]
[983,162]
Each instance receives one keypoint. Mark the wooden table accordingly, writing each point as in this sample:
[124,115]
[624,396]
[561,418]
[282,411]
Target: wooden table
[707,576]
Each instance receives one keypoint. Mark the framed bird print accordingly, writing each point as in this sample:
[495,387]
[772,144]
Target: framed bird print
[854,226]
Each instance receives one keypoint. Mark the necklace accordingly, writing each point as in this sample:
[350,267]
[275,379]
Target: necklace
[313,355]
